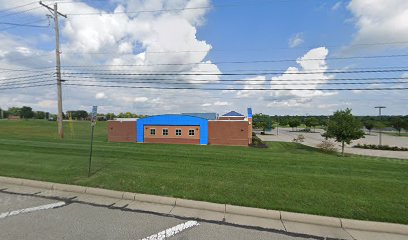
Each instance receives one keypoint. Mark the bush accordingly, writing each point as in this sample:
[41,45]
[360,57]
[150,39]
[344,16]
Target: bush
[305,130]
[327,146]
[257,142]
[380,147]
[300,138]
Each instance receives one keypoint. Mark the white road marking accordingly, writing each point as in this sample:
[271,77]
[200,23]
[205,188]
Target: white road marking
[172,231]
[32,209]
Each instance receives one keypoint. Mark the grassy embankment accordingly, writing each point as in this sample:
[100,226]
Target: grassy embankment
[285,176]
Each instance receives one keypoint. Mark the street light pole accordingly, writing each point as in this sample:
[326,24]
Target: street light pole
[379,114]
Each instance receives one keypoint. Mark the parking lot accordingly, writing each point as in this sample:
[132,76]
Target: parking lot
[34,215]
[314,138]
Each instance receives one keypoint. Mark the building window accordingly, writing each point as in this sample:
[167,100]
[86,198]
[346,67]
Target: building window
[165,132]
[152,131]
[178,132]
[191,132]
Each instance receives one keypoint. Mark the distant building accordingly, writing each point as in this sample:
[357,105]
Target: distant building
[231,128]
[13,117]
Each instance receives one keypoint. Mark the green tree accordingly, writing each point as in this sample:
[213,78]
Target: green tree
[110,116]
[26,112]
[262,121]
[343,127]
[294,123]
[398,123]
[312,122]
[39,115]
[369,125]
[15,111]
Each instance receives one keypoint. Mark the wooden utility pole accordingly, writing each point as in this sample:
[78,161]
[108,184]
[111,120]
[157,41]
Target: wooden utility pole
[55,14]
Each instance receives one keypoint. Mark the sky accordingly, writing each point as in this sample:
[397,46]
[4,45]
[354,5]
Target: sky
[130,55]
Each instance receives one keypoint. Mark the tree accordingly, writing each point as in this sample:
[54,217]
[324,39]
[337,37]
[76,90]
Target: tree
[369,125]
[262,121]
[15,111]
[398,123]
[26,112]
[78,114]
[39,115]
[110,116]
[344,127]
[294,123]
[312,122]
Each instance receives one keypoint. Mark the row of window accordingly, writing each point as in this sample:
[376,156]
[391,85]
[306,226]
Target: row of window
[165,132]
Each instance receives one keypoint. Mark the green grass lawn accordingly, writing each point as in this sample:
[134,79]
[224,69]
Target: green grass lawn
[286,176]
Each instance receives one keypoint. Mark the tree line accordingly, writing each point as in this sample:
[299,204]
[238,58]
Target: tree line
[267,122]
[26,112]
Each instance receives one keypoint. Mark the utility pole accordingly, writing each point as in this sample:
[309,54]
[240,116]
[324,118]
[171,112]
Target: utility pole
[55,14]
[379,114]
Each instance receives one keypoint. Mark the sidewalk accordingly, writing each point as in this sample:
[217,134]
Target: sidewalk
[280,221]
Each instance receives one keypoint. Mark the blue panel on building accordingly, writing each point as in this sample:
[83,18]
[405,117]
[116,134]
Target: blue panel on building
[208,116]
[249,112]
[233,114]
[173,120]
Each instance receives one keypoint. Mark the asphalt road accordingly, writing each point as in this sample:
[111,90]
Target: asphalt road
[52,218]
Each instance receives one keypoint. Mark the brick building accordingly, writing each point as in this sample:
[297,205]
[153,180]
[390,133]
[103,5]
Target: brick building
[232,129]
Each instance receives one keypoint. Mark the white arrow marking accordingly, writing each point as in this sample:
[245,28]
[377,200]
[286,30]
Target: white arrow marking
[172,231]
[32,209]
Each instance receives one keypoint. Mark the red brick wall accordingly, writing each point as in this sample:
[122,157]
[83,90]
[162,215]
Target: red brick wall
[172,140]
[234,133]
[231,118]
[184,138]
[122,131]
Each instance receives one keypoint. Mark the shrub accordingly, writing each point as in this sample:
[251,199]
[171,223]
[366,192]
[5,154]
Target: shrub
[380,147]
[257,142]
[327,146]
[300,138]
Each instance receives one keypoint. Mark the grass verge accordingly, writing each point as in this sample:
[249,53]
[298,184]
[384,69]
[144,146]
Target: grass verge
[285,176]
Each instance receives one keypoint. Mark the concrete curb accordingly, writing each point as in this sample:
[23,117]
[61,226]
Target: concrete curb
[375,226]
[216,207]
[253,212]
[313,219]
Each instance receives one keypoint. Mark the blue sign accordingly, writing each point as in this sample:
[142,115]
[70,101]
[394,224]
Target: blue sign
[94,113]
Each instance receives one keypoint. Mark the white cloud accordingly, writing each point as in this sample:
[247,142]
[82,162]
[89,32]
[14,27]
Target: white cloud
[206,104]
[296,40]
[313,63]
[140,99]
[380,21]
[337,6]
[221,103]
[100,95]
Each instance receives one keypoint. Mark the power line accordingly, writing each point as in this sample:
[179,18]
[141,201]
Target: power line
[26,76]
[27,24]
[214,89]
[229,50]
[21,24]
[271,83]
[25,82]
[238,62]
[16,7]
[238,74]
[28,86]
[20,12]
[242,80]
[237,89]
[228,62]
